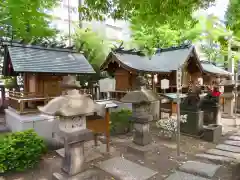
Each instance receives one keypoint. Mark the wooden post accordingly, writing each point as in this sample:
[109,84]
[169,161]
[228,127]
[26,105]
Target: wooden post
[107,132]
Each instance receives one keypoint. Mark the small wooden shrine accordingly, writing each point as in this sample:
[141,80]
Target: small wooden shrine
[42,69]
[125,65]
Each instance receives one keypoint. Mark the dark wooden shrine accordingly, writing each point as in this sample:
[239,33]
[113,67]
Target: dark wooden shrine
[42,69]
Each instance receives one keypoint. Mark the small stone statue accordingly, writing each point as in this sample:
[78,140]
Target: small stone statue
[141,82]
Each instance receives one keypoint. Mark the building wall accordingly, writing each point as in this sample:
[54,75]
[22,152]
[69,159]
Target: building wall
[112,30]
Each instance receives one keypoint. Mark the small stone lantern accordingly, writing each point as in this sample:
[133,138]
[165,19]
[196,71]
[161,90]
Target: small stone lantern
[71,110]
[141,100]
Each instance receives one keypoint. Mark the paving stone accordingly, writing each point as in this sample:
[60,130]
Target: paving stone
[223,153]
[234,138]
[87,175]
[215,158]
[230,148]
[126,170]
[233,143]
[184,176]
[199,168]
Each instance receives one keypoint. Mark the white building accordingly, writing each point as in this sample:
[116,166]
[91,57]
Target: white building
[112,30]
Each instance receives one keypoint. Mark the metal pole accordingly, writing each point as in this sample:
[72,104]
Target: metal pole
[178,123]
[178,109]
[236,95]
[69,23]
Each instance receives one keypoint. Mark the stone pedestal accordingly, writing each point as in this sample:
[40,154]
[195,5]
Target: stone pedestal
[141,118]
[141,134]
[74,138]
[228,106]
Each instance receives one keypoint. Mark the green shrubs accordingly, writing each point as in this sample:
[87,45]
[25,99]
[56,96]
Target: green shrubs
[20,151]
[120,121]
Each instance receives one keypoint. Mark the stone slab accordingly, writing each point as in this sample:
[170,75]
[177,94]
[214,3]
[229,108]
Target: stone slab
[184,176]
[140,150]
[87,175]
[215,158]
[124,169]
[90,154]
[199,168]
[234,138]
[233,143]
[224,153]
[229,148]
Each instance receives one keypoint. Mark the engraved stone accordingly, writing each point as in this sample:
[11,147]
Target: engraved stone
[199,168]
[126,170]
[184,176]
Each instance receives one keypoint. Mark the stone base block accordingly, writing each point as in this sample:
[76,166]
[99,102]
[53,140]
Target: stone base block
[212,133]
[141,135]
[140,150]
[44,125]
[87,175]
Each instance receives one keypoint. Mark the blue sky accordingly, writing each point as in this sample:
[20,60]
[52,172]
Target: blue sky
[219,9]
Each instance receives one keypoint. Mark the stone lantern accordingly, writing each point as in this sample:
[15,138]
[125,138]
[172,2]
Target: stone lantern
[141,100]
[71,109]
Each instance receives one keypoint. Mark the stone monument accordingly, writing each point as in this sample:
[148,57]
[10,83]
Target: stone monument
[141,100]
[71,110]
[228,96]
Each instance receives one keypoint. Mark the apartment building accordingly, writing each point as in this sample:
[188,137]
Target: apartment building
[112,30]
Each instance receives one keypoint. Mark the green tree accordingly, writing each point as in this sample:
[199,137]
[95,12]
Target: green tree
[148,11]
[233,17]
[95,48]
[26,19]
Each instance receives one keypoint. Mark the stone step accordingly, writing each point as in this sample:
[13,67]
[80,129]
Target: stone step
[178,175]
[234,138]
[230,148]
[232,143]
[218,152]
[124,169]
[216,159]
[199,168]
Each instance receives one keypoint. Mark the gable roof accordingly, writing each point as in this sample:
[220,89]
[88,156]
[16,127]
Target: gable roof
[29,58]
[210,68]
[165,60]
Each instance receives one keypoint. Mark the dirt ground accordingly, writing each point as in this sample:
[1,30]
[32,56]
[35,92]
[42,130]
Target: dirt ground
[163,159]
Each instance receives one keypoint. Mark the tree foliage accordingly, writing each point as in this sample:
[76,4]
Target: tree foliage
[233,17]
[208,30]
[25,19]
[94,47]
[148,11]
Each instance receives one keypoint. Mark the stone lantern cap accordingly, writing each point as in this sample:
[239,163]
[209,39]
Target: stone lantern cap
[140,96]
[71,105]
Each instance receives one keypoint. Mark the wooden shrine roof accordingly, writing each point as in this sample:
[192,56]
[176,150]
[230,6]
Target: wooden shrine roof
[165,60]
[211,68]
[38,59]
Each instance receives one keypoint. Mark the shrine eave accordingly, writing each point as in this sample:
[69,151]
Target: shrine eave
[35,59]
[164,61]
